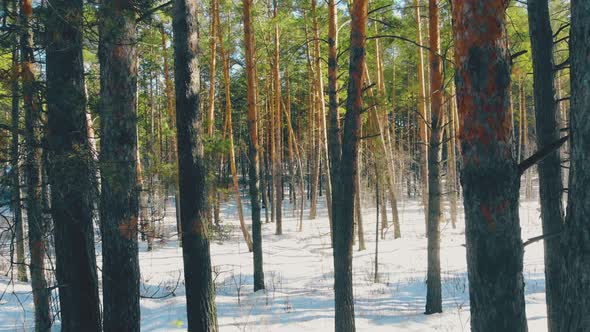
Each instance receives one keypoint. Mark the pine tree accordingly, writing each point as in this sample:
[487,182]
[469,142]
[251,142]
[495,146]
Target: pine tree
[70,170]
[119,197]
[490,176]
[200,289]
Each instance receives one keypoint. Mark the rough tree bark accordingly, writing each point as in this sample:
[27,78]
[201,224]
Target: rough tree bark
[344,191]
[253,147]
[575,241]
[550,181]
[21,268]
[433,280]
[119,193]
[71,174]
[32,170]
[200,288]
[489,175]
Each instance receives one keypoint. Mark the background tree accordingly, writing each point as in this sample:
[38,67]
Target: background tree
[32,171]
[547,130]
[253,152]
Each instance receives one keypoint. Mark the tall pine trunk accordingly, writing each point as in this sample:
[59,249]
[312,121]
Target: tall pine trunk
[200,288]
[433,281]
[489,175]
[277,156]
[321,102]
[345,188]
[232,156]
[15,166]
[71,174]
[423,117]
[451,184]
[119,199]
[212,65]
[334,138]
[547,125]
[253,147]
[32,170]
[575,241]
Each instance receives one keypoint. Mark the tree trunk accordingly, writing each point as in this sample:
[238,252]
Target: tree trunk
[314,131]
[319,87]
[386,161]
[334,138]
[550,185]
[290,143]
[383,209]
[433,281]
[452,161]
[144,219]
[490,176]
[70,170]
[200,288]
[15,167]
[301,174]
[358,208]
[575,241]
[253,146]
[423,118]
[277,157]
[32,168]
[173,155]
[212,66]
[346,187]
[230,136]
[378,206]
[119,194]
[524,137]
[169,101]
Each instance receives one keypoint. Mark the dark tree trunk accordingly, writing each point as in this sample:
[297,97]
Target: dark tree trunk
[550,185]
[489,175]
[433,282]
[15,168]
[71,174]
[253,148]
[346,187]
[32,168]
[119,199]
[200,288]
[575,308]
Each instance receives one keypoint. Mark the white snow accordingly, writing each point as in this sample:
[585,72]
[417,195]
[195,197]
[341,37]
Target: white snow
[298,277]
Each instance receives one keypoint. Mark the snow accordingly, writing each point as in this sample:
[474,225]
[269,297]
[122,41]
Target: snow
[299,279]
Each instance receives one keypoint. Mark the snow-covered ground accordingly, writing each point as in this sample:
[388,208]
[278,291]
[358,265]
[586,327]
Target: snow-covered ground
[299,279]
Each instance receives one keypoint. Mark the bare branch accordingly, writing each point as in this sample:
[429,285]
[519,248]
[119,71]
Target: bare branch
[541,154]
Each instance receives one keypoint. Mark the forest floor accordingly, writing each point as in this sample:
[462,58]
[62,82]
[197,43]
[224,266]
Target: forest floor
[299,278]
